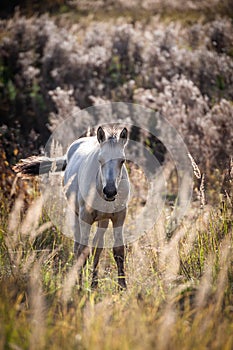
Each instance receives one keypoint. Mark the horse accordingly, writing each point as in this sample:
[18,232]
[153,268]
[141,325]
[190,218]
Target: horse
[97,185]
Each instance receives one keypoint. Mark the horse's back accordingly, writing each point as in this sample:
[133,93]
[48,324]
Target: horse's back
[82,146]
[77,154]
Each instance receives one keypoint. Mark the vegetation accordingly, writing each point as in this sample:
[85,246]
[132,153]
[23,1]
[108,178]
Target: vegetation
[180,288]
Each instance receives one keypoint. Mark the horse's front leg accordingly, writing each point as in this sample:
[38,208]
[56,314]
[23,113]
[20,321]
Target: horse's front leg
[98,243]
[119,249]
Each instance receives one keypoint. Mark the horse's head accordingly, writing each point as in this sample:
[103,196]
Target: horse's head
[111,159]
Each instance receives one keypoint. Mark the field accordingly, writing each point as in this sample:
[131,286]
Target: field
[178,63]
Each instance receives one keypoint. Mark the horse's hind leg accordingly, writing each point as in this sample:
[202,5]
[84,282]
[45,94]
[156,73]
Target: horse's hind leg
[76,230]
[98,243]
[81,253]
[81,250]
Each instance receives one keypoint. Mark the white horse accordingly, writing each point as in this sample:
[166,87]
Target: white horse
[96,183]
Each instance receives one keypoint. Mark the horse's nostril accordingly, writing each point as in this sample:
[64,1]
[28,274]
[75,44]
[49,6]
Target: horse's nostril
[110,191]
[114,192]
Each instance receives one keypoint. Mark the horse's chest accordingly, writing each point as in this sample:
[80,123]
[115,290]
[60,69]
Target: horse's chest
[102,216]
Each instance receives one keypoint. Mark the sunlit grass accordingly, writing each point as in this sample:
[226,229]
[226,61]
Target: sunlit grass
[179,289]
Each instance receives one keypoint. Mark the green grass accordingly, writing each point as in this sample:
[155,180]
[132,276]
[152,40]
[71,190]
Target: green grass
[179,296]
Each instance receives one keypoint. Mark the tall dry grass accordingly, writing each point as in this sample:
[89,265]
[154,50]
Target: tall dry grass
[179,292]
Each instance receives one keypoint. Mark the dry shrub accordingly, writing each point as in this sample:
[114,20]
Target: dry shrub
[206,130]
[184,72]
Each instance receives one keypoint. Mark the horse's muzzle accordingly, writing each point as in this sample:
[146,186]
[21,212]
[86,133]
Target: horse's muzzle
[110,192]
[109,199]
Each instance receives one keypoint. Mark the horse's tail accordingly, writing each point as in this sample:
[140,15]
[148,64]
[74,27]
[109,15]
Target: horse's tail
[37,165]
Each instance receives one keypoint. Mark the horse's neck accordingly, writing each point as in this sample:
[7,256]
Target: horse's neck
[90,168]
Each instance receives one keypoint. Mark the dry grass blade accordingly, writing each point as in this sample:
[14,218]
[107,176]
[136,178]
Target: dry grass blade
[202,191]
[196,169]
[73,276]
[37,307]
[201,179]
[31,220]
[15,216]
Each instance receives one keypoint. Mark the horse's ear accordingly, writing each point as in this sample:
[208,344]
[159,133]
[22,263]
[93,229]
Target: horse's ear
[100,135]
[124,135]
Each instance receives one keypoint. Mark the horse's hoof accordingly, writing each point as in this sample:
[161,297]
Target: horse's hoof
[94,284]
[122,285]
